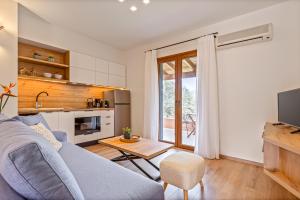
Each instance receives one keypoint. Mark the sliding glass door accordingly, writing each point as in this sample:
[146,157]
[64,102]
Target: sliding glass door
[177,81]
[167,84]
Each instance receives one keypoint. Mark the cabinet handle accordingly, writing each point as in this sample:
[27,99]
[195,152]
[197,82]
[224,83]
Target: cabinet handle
[107,116]
[107,124]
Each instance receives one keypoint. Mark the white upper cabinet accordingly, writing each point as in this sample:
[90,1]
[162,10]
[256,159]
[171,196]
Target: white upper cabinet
[101,66]
[78,75]
[82,61]
[90,70]
[117,81]
[102,79]
[117,69]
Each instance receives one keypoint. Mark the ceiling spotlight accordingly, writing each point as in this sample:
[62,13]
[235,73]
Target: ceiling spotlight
[133,8]
[121,1]
[146,1]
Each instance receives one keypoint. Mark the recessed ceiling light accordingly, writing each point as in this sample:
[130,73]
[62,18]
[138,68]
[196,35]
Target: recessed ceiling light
[133,8]
[146,1]
[121,1]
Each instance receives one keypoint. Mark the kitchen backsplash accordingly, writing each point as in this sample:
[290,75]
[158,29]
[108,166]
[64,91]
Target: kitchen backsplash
[61,95]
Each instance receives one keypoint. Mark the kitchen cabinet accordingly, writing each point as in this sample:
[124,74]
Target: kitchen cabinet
[101,79]
[83,61]
[101,66]
[107,124]
[117,69]
[66,124]
[86,138]
[52,119]
[117,81]
[117,75]
[65,121]
[79,75]
[86,69]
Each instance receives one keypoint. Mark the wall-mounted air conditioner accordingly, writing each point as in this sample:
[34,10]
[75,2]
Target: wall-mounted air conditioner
[245,37]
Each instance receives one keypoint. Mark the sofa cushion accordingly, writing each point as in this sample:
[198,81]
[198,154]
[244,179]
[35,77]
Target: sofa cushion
[32,167]
[3,117]
[60,136]
[47,134]
[6,192]
[31,120]
[100,178]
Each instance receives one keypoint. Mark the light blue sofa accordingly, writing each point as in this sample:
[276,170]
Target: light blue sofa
[91,177]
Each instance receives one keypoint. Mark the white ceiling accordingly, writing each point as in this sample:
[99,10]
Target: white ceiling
[111,22]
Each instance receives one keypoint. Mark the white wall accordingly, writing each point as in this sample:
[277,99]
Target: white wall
[34,28]
[9,50]
[249,76]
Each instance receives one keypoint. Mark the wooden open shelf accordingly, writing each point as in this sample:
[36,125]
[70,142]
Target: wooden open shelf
[41,62]
[31,68]
[25,77]
[284,181]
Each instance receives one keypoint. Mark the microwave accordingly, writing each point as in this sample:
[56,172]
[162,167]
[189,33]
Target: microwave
[87,125]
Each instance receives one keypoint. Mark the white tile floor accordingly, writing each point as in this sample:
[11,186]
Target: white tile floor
[169,135]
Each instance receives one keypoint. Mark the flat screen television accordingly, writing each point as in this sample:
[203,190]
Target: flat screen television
[289,107]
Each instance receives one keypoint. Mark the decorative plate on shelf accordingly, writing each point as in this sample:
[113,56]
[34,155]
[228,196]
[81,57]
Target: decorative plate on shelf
[133,139]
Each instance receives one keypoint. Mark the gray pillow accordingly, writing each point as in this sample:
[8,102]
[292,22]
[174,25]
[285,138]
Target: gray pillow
[7,193]
[32,167]
[31,120]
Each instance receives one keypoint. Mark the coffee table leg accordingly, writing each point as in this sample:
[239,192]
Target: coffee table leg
[135,164]
[153,165]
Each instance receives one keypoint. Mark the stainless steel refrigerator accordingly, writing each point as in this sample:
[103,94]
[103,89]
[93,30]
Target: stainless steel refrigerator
[120,101]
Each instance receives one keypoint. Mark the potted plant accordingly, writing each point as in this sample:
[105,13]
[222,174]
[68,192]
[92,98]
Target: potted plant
[127,133]
[6,93]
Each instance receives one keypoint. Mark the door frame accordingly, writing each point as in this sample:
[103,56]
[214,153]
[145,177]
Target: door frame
[178,95]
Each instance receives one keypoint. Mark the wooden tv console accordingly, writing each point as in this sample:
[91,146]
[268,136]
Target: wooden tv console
[282,156]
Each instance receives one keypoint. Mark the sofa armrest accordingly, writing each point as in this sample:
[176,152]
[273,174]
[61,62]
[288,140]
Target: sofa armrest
[61,136]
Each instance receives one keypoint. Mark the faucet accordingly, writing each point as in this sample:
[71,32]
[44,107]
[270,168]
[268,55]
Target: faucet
[37,105]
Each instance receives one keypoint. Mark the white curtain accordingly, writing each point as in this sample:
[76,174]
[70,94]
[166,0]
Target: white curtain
[151,101]
[207,130]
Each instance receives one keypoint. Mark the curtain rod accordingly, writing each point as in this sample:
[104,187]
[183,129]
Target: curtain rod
[215,33]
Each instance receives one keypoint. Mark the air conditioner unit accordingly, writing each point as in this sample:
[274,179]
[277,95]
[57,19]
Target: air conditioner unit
[248,36]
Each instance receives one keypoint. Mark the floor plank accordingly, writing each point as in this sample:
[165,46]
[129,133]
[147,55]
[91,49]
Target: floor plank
[224,179]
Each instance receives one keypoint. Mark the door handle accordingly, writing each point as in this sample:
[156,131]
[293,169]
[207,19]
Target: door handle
[107,124]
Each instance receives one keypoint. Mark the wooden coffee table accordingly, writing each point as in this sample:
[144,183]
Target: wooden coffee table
[144,149]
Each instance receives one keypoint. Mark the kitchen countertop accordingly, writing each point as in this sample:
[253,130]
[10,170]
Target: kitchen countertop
[28,111]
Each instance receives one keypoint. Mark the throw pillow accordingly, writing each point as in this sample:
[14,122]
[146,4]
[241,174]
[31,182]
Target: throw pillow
[30,120]
[32,167]
[48,135]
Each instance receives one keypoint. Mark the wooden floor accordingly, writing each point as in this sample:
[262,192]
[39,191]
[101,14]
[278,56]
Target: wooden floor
[224,179]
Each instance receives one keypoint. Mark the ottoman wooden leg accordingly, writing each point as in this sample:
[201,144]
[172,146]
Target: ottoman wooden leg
[165,186]
[185,194]
[201,184]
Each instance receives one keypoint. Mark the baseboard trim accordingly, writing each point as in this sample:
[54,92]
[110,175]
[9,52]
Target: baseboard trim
[241,160]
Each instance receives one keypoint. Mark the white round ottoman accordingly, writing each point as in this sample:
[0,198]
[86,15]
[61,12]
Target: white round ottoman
[183,170]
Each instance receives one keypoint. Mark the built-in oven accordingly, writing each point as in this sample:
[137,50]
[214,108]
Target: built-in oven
[87,125]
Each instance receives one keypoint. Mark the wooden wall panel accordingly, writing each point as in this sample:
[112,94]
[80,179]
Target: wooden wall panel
[61,95]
